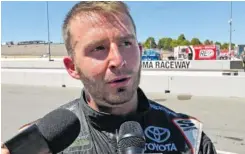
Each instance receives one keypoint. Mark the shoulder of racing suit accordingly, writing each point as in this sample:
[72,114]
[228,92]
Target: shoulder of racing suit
[180,132]
[189,128]
[83,143]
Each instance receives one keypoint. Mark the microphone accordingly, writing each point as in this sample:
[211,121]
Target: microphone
[51,134]
[131,139]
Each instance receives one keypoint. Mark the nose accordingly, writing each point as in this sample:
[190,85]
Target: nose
[116,59]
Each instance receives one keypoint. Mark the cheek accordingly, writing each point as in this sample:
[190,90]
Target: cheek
[133,58]
[93,68]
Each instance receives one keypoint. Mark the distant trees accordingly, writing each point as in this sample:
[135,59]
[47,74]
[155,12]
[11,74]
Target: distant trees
[150,43]
[196,41]
[165,43]
[168,43]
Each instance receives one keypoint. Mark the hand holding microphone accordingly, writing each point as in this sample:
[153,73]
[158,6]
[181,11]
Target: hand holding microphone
[52,134]
[4,149]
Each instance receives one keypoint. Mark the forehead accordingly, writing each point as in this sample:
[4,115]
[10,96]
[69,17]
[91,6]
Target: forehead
[95,25]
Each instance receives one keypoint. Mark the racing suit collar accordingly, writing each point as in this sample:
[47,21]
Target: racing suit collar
[110,123]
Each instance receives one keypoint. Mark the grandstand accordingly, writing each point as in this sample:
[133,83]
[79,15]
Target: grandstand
[36,50]
[31,42]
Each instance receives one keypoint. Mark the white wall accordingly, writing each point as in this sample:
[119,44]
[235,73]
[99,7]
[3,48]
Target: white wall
[208,86]
[57,63]
[191,83]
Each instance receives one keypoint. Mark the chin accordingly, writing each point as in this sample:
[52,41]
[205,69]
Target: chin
[120,96]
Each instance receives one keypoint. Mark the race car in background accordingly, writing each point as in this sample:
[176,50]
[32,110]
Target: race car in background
[150,55]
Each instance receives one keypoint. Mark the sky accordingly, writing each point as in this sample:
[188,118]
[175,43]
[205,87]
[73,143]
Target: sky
[24,21]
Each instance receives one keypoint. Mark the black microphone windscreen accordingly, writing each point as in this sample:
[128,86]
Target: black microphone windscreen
[60,128]
[131,135]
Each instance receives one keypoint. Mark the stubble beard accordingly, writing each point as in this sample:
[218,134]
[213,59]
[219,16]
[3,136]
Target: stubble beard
[102,97]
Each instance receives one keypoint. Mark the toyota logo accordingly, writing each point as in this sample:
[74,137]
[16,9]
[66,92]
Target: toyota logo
[157,134]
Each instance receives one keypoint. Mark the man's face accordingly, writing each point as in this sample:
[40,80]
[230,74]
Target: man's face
[107,57]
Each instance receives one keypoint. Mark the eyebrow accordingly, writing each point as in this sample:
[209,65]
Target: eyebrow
[94,42]
[129,36]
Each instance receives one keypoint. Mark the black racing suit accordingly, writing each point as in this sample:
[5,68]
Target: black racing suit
[165,131]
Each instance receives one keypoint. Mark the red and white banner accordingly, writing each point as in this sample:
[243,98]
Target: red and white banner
[203,52]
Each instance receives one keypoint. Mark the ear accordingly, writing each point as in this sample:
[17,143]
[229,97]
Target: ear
[70,67]
[141,48]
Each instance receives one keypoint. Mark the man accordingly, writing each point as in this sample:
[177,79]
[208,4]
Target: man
[104,54]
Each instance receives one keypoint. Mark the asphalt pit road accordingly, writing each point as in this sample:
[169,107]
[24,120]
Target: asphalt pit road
[233,138]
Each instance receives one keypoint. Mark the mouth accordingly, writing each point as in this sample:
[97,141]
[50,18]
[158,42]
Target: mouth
[119,80]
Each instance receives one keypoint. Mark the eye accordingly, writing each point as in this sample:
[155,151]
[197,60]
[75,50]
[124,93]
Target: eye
[126,44]
[99,48]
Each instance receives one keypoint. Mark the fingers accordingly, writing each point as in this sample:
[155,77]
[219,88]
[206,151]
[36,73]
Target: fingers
[27,125]
[4,149]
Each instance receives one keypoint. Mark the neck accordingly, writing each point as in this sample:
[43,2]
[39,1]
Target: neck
[124,109]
